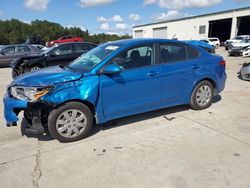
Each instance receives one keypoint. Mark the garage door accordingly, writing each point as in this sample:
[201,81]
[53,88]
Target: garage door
[139,34]
[160,32]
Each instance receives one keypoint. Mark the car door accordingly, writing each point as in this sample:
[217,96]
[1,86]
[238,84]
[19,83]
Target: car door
[22,50]
[7,55]
[134,90]
[179,65]
[61,55]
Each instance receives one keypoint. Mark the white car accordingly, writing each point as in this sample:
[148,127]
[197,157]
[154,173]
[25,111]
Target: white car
[235,40]
[246,52]
[243,43]
[238,48]
[214,41]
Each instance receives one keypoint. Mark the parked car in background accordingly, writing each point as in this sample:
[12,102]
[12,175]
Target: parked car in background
[238,48]
[245,72]
[114,80]
[10,52]
[204,45]
[60,54]
[1,46]
[214,41]
[236,39]
[64,40]
[40,47]
[246,52]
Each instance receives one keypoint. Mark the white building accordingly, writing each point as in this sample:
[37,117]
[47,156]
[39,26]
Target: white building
[224,25]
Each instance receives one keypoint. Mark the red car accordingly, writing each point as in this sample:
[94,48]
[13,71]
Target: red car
[64,40]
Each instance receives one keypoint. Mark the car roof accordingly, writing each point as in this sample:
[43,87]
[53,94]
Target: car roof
[141,40]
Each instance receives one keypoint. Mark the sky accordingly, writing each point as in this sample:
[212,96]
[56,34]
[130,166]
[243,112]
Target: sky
[111,16]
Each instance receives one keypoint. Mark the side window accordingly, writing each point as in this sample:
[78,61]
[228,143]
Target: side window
[136,57]
[171,52]
[9,50]
[23,49]
[192,52]
[81,48]
[63,50]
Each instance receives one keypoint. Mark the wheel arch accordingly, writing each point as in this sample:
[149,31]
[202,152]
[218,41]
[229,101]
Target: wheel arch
[85,102]
[213,82]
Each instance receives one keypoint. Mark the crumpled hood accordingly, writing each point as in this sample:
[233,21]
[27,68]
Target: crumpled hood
[47,76]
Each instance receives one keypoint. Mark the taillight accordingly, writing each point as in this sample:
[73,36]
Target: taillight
[223,63]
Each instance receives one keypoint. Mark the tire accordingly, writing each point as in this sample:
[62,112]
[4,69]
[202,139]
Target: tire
[32,68]
[35,68]
[71,129]
[202,95]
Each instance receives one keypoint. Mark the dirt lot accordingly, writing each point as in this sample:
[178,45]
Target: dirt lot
[175,147]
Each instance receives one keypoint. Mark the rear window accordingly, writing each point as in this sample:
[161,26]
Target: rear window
[192,52]
[172,52]
[23,49]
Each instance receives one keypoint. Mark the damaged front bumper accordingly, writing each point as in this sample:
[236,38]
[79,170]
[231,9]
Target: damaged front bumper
[12,107]
[36,113]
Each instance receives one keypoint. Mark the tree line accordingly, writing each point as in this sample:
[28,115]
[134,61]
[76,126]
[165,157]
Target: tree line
[15,31]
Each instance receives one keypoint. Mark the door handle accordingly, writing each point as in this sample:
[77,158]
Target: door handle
[152,73]
[195,67]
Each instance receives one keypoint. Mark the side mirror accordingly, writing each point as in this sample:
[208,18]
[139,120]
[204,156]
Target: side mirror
[112,69]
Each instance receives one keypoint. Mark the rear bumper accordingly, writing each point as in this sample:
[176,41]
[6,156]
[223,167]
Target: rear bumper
[222,82]
[12,107]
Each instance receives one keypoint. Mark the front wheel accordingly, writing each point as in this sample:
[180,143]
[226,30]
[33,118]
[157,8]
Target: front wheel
[202,95]
[70,122]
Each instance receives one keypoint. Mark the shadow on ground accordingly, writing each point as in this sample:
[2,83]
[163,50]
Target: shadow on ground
[167,113]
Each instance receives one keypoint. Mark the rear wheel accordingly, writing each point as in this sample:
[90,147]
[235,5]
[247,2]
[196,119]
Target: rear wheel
[202,95]
[70,122]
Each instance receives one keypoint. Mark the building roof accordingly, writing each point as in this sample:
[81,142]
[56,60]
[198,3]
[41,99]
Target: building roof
[190,17]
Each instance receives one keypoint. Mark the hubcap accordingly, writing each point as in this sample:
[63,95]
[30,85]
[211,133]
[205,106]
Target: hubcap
[203,95]
[35,68]
[71,123]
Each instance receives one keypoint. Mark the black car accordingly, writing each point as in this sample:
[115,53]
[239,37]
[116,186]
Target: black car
[10,52]
[60,54]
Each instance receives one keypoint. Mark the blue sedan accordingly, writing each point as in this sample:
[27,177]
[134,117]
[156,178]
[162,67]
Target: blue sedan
[114,80]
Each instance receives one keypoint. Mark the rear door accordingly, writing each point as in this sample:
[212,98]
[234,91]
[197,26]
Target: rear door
[137,88]
[179,64]
[61,55]
[22,50]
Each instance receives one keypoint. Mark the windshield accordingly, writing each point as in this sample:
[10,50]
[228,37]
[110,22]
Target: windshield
[245,41]
[238,38]
[88,61]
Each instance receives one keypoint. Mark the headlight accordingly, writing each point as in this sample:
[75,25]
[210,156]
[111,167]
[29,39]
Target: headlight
[28,93]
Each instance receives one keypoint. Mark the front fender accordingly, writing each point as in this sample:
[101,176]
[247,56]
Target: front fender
[85,89]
